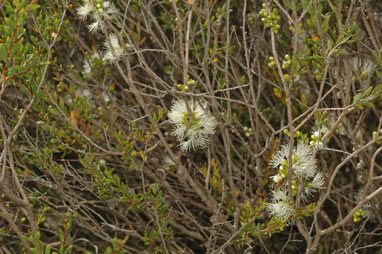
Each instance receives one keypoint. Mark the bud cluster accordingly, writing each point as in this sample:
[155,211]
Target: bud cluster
[287,62]
[272,62]
[270,19]
[185,87]
[357,217]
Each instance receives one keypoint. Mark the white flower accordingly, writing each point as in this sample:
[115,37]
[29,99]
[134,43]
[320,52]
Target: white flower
[277,178]
[281,206]
[303,161]
[84,10]
[312,187]
[114,50]
[318,181]
[193,131]
[100,11]
[95,26]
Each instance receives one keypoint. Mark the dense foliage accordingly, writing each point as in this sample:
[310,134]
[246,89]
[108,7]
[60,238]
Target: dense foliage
[190,126]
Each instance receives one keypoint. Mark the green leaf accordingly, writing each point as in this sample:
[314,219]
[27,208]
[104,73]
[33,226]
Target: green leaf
[34,251]
[367,92]
[367,104]
[15,49]
[3,51]
[325,24]
[38,234]
[47,249]
[357,98]
[377,89]
[68,250]
[12,72]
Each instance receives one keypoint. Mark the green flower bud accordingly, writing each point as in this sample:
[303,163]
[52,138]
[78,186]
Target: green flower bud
[191,82]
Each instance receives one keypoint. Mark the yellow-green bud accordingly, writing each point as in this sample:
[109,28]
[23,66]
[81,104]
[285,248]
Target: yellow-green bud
[191,82]
[287,77]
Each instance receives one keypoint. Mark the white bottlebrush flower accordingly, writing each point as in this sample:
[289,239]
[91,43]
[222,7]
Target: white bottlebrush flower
[312,187]
[99,10]
[280,205]
[277,178]
[192,131]
[85,9]
[318,181]
[303,161]
[114,50]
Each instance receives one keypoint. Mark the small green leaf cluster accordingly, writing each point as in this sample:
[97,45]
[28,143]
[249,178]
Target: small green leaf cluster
[162,232]
[366,98]
[252,223]
[116,247]
[39,247]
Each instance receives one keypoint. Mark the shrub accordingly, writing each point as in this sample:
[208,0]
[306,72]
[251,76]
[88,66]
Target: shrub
[190,126]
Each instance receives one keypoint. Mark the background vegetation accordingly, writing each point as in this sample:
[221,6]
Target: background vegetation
[89,163]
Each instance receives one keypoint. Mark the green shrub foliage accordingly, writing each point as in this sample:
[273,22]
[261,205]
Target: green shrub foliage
[190,126]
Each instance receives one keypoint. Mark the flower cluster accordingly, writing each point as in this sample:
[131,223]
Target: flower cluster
[193,124]
[305,176]
[99,10]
